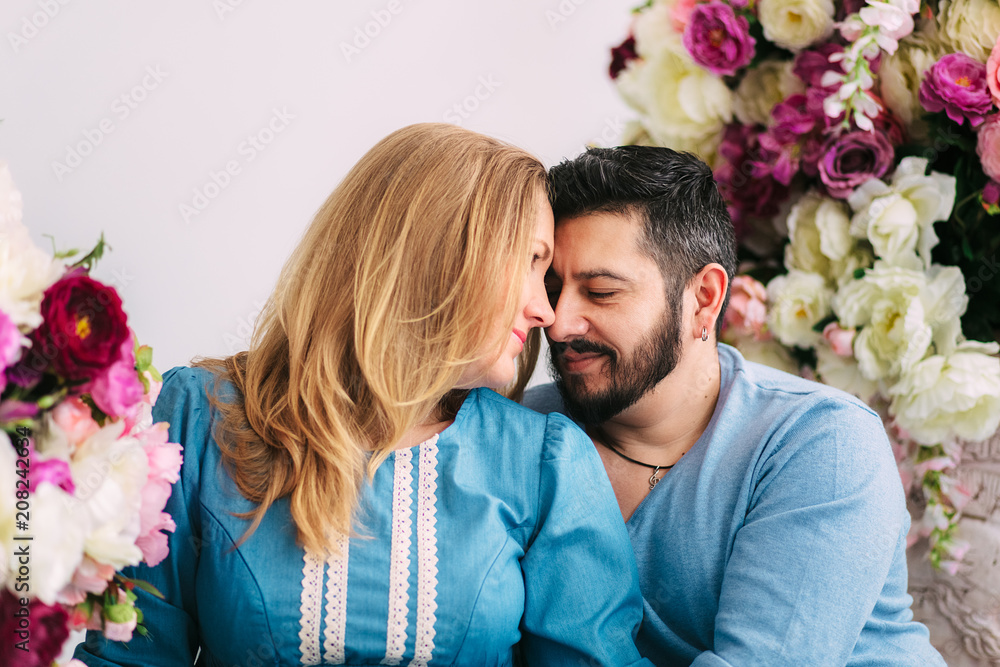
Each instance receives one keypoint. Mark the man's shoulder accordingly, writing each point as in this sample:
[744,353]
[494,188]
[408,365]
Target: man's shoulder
[544,398]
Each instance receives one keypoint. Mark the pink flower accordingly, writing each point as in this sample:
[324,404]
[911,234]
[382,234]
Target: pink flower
[993,73]
[74,418]
[53,471]
[747,312]
[717,39]
[680,14]
[991,198]
[164,469]
[956,84]
[117,390]
[988,146]
[48,627]
[747,195]
[812,64]
[840,340]
[10,346]
[90,577]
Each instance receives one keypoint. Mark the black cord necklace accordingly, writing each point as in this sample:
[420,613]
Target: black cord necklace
[610,443]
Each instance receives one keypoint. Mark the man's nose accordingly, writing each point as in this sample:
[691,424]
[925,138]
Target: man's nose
[570,322]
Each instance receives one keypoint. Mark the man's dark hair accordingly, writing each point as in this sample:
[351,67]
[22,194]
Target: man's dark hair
[686,225]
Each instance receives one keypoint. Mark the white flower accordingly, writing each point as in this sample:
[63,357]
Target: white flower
[843,373]
[901,312]
[901,74]
[763,87]
[681,104]
[25,270]
[893,18]
[970,26]
[898,219]
[766,352]
[59,525]
[820,240]
[799,300]
[654,30]
[944,397]
[796,24]
[110,472]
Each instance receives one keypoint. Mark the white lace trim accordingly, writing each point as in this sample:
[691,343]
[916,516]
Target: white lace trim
[312,585]
[336,603]
[426,554]
[399,558]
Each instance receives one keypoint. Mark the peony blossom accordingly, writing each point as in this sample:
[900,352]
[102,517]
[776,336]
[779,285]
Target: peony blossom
[164,462]
[901,75]
[83,329]
[25,270]
[75,420]
[953,396]
[796,24]
[116,389]
[841,340]
[956,84]
[988,146]
[969,26]
[718,39]
[993,73]
[853,158]
[763,87]
[48,629]
[898,218]
[819,237]
[799,300]
[843,373]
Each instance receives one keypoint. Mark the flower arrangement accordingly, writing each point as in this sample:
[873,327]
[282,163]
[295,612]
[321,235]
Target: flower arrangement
[857,144]
[84,473]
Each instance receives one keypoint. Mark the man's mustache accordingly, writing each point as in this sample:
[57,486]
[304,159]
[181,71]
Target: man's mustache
[582,346]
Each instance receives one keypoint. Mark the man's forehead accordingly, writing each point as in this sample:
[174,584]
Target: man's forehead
[600,244]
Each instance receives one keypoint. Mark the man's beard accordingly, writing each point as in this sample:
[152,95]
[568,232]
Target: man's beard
[628,379]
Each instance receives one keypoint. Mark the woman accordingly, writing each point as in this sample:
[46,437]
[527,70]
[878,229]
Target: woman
[361,409]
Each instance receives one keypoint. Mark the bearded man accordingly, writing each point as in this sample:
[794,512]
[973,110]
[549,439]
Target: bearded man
[766,513]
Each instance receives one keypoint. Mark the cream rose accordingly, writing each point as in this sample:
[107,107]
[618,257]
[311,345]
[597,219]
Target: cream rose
[898,219]
[763,87]
[59,524]
[654,30]
[819,235]
[796,24]
[953,396]
[885,304]
[970,26]
[843,373]
[682,105]
[798,301]
[901,74]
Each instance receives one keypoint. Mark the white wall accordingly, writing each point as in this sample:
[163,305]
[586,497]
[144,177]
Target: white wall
[155,96]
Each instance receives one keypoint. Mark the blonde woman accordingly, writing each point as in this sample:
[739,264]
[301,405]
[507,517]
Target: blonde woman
[352,491]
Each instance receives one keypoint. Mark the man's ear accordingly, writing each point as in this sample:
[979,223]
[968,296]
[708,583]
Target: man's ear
[709,288]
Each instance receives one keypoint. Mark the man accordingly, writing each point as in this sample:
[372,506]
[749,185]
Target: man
[766,512]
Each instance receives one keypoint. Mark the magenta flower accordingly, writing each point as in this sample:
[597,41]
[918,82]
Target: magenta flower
[117,390]
[991,198]
[621,56]
[717,39]
[956,84]
[746,195]
[49,631]
[791,143]
[812,64]
[853,158]
[10,346]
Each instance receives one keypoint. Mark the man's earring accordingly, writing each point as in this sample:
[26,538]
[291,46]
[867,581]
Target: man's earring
[704,333]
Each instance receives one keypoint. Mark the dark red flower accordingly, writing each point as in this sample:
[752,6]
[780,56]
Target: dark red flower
[621,55]
[47,625]
[83,330]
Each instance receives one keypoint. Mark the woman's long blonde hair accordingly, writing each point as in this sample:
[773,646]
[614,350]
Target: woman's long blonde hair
[393,291]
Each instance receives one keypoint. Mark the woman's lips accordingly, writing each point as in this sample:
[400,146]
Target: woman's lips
[521,336]
[577,362]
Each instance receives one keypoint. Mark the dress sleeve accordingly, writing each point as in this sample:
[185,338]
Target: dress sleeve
[172,622]
[582,599]
[824,521]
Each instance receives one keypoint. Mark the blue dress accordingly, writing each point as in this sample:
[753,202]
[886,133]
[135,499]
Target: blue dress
[502,529]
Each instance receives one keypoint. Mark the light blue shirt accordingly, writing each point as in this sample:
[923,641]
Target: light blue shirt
[502,529]
[779,538]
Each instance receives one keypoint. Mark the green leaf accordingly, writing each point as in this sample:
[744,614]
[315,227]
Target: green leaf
[859,273]
[144,357]
[89,260]
[148,587]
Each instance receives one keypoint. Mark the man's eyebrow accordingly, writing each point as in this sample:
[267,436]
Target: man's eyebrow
[600,273]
